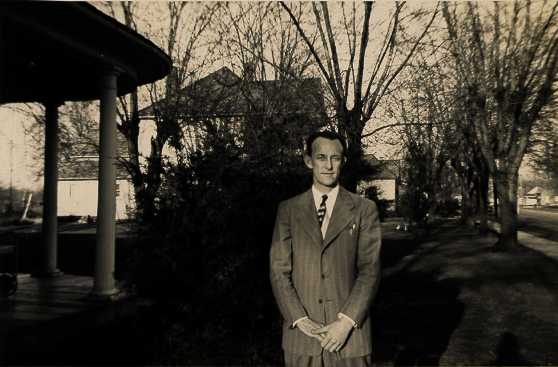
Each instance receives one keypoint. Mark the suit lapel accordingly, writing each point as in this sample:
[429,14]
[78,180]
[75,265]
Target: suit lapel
[309,218]
[341,215]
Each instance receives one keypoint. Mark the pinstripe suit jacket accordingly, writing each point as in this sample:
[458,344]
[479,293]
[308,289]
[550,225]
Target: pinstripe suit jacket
[319,278]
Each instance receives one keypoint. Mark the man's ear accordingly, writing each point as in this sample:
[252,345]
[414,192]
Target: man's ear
[308,161]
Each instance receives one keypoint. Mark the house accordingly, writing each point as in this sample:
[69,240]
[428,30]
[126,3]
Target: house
[243,105]
[539,196]
[386,180]
[77,180]
[533,197]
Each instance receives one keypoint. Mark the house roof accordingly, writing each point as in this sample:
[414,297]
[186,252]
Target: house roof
[83,160]
[223,93]
[87,144]
[535,190]
[87,169]
[387,169]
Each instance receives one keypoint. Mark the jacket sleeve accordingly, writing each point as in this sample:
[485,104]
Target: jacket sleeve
[368,266]
[281,268]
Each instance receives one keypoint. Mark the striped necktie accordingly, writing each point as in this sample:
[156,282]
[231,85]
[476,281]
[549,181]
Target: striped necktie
[322,210]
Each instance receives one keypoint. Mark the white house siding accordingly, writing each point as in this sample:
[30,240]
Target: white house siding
[79,197]
[386,188]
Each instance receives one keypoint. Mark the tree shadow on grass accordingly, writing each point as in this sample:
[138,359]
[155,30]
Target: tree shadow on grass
[502,298]
[414,314]
[413,319]
[508,353]
[397,246]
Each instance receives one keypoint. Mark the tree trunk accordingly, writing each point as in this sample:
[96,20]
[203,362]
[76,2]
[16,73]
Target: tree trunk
[483,202]
[466,206]
[495,193]
[145,205]
[350,173]
[130,127]
[352,130]
[507,195]
[152,178]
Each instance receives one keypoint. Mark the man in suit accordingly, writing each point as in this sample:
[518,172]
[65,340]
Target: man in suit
[325,266]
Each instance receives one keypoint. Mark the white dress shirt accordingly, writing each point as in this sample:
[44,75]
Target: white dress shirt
[330,203]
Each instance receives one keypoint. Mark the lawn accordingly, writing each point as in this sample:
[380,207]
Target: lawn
[447,299]
[455,301]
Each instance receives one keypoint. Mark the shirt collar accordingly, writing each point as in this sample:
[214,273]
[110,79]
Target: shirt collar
[331,198]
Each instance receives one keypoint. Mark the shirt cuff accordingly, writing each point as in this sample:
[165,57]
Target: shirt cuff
[297,321]
[342,315]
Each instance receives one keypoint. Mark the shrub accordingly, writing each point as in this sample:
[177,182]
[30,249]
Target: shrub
[414,206]
[373,194]
[448,207]
[207,248]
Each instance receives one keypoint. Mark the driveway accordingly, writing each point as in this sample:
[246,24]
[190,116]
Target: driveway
[539,222]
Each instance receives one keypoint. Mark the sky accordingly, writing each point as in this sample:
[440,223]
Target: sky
[17,166]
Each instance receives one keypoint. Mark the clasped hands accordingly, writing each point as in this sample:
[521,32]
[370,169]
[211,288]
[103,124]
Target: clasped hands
[332,336]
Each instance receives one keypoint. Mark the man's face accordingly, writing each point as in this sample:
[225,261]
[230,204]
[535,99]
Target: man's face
[326,162]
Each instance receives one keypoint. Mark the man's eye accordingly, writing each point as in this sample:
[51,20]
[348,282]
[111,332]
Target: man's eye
[336,159]
[321,158]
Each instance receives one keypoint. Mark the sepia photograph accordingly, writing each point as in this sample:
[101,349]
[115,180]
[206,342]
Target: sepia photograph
[279,183]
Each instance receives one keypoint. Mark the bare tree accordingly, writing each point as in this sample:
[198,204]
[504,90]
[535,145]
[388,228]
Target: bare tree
[274,88]
[506,55]
[436,129]
[471,167]
[76,132]
[353,111]
[180,38]
[257,40]
[427,129]
[543,149]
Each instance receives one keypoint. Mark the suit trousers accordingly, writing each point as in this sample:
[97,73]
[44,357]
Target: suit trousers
[326,359]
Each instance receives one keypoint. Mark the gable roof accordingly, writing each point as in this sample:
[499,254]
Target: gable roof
[83,160]
[87,144]
[388,169]
[535,190]
[79,169]
[224,94]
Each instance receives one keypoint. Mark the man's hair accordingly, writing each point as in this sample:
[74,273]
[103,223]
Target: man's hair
[327,134]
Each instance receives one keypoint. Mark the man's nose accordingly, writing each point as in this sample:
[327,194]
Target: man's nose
[329,163]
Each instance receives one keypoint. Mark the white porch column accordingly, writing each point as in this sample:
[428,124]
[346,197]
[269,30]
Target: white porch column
[104,284]
[48,265]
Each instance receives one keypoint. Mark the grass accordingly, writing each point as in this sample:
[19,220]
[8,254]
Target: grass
[448,299]
[456,302]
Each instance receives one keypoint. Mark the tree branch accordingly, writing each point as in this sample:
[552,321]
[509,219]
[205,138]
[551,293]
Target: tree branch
[333,47]
[373,105]
[324,44]
[330,81]
[362,51]
[404,124]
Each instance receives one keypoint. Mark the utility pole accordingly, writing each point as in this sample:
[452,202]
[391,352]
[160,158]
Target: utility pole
[11,203]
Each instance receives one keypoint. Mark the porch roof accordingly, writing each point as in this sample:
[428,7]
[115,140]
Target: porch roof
[57,51]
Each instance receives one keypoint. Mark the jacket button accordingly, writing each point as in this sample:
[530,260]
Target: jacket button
[320,300]
[323,276]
